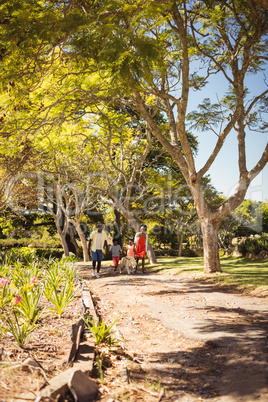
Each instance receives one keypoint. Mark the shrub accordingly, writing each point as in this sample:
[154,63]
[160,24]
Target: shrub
[254,245]
[188,252]
[25,242]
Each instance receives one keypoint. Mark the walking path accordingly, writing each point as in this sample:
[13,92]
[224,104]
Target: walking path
[195,341]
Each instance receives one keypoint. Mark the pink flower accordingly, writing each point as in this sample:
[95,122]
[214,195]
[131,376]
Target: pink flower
[33,279]
[3,281]
[18,299]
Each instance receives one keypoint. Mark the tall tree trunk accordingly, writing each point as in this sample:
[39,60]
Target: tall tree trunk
[62,233]
[72,239]
[82,238]
[64,244]
[210,246]
[151,255]
[117,224]
[180,244]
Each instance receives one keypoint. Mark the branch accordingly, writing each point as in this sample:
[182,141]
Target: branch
[173,150]
[255,100]
[260,165]
[218,146]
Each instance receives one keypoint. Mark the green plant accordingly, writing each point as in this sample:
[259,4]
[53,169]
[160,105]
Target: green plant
[157,386]
[69,271]
[60,298]
[19,328]
[29,307]
[70,258]
[54,274]
[88,320]
[5,296]
[22,274]
[254,245]
[101,332]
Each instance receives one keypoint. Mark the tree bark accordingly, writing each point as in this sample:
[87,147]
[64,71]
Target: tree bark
[82,239]
[62,233]
[210,244]
[72,239]
[180,244]
[151,255]
[64,244]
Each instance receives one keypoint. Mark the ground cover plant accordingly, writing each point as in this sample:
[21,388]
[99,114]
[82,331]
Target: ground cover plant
[239,273]
[30,326]
[27,284]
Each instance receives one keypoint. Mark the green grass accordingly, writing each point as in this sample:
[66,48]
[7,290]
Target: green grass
[239,273]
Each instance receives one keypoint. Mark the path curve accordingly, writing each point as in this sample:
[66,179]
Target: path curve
[204,344]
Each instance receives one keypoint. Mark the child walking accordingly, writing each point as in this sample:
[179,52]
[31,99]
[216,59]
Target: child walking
[130,248]
[115,249]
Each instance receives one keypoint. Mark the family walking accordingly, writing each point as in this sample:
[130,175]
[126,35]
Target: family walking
[98,240]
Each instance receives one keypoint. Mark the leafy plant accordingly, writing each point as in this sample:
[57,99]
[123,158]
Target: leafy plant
[5,296]
[70,258]
[60,298]
[22,275]
[29,307]
[69,271]
[54,274]
[254,245]
[19,328]
[101,332]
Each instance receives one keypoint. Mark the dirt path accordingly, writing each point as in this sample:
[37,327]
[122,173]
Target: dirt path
[188,338]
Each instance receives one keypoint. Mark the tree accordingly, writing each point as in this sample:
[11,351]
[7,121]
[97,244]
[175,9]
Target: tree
[151,53]
[152,57]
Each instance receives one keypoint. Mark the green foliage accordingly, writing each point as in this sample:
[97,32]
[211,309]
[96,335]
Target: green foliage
[19,328]
[59,297]
[29,307]
[5,297]
[160,235]
[54,274]
[21,289]
[250,215]
[70,258]
[254,245]
[22,274]
[59,287]
[101,332]
[34,242]
[23,254]
[138,54]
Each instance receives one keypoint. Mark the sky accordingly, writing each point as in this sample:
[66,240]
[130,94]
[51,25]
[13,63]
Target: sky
[224,172]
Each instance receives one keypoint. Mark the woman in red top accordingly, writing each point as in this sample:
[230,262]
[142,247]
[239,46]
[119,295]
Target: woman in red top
[141,243]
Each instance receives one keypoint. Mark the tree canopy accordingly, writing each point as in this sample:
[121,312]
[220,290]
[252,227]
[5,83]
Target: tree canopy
[63,61]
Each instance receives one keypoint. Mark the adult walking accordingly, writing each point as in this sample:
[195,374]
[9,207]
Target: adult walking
[141,245]
[97,241]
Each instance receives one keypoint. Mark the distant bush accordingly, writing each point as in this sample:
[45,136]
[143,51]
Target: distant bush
[70,258]
[28,254]
[173,252]
[25,242]
[49,253]
[254,245]
[188,252]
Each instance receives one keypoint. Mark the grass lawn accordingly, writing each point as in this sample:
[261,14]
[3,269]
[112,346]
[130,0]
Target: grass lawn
[237,272]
